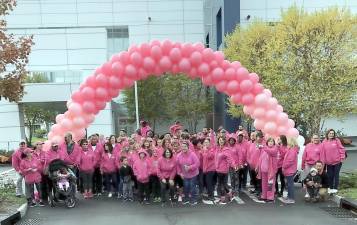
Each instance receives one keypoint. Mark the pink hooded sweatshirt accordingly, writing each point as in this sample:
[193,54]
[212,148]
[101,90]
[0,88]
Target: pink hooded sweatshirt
[311,154]
[223,160]
[253,155]
[72,158]
[144,130]
[87,161]
[290,161]
[242,151]
[16,159]
[51,155]
[281,154]
[166,168]
[31,177]
[189,159]
[108,163]
[332,152]
[154,163]
[141,168]
[267,162]
[208,160]
[97,150]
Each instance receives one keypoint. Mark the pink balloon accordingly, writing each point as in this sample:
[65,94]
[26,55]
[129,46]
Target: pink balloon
[280,108]
[100,105]
[75,108]
[267,92]
[198,46]
[217,75]
[59,118]
[91,82]
[258,113]
[89,107]
[282,118]
[115,58]
[68,103]
[184,65]
[79,122]
[247,99]
[242,74]
[77,97]
[124,57]
[101,80]
[213,65]
[118,69]
[66,124]
[87,93]
[175,69]
[221,86]
[196,58]
[259,124]
[136,59]
[203,69]
[57,139]
[187,49]
[78,134]
[89,118]
[293,132]
[246,86]
[225,64]
[236,98]
[232,87]
[248,110]
[258,88]
[270,127]
[156,52]
[219,56]
[207,81]
[236,64]
[145,49]
[132,49]
[115,82]
[113,93]
[207,55]
[155,43]
[131,72]
[193,73]
[175,55]
[282,130]
[165,63]
[166,46]
[261,100]
[229,74]
[50,135]
[291,123]
[272,103]
[107,69]
[142,74]
[254,78]
[101,93]
[56,129]
[149,64]
[127,83]
[271,115]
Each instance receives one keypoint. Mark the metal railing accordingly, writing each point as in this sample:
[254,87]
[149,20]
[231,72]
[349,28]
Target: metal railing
[7,177]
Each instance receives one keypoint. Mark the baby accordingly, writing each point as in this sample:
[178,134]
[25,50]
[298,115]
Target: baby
[63,176]
[313,184]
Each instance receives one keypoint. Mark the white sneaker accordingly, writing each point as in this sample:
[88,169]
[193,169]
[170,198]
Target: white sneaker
[334,191]
[329,191]
[208,202]
[179,198]
[110,195]
[307,195]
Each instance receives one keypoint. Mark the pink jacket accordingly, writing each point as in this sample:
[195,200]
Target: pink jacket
[281,154]
[208,160]
[311,154]
[40,157]
[198,153]
[141,168]
[332,152]
[73,158]
[154,164]
[166,168]
[51,155]
[290,161]
[108,163]
[132,157]
[234,154]
[223,160]
[144,130]
[253,155]
[271,154]
[87,161]
[31,177]
[16,159]
[242,151]
[190,160]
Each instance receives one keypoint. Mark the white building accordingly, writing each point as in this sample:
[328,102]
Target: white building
[73,37]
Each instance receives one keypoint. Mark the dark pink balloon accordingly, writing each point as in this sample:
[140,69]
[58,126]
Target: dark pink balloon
[115,82]
[118,69]
[145,49]
[89,107]
[203,69]
[156,52]
[218,56]
[128,82]
[91,82]
[242,74]
[196,58]
[175,55]
[100,105]
[217,75]
[225,64]
[107,69]
[136,59]
[207,81]
[232,87]
[187,49]
[258,88]
[87,93]
[132,49]
[124,57]
[165,63]
[236,64]
[236,98]
[198,46]
[77,97]
[113,93]
[184,65]
[155,43]
[221,86]
[89,118]
[246,86]
[101,93]
[101,80]
[254,78]
[247,99]
[207,55]
[166,46]
[131,72]
[229,74]
[149,64]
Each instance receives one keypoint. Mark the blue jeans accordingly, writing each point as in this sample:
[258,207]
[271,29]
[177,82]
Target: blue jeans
[333,173]
[111,183]
[189,189]
[290,183]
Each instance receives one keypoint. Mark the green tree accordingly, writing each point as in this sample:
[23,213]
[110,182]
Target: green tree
[14,54]
[308,60]
[37,78]
[35,115]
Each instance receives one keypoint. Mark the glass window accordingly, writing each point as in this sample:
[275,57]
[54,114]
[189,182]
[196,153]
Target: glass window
[117,40]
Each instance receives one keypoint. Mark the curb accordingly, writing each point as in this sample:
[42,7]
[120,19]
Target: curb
[15,217]
[345,203]
[336,199]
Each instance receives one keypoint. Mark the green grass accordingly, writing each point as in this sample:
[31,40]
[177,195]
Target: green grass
[9,200]
[348,193]
[34,139]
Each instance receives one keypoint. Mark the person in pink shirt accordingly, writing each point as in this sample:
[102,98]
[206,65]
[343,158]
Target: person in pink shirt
[39,154]
[242,165]
[267,167]
[253,155]
[188,168]
[16,160]
[97,148]
[87,162]
[233,170]
[282,148]
[108,167]
[144,128]
[31,167]
[154,179]
[223,161]
[332,155]
[197,149]
[141,170]
[166,172]
[209,169]
[311,155]
[289,168]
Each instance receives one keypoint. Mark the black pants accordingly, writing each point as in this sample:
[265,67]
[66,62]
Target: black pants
[143,191]
[201,181]
[44,188]
[166,186]
[97,181]
[111,183]
[280,175]
[155,186]
[210,183]
[222,188]
[243,177]
[257,183]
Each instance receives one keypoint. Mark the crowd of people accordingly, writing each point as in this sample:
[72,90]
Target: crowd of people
[209,167]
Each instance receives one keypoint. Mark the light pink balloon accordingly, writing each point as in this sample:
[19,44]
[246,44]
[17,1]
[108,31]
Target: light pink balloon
[246,86]
[282,130]
[196,58]
[149,64]
[145,49]
[165,63]
[198,46]
[271,115]
[50,135]
[282,118]
[225,64]
[236,64]
[279,108]
[259,124]
[91,82]
[132,49]
[207,55]
[156,52]
[87,93]
[100,105]
[187,49]
[207,81]
[59,118]
[166,46]
[203,69]
[293,132]
[107,68]
[221,86]
[267,92]
[77,97]
[247,99]
[261,100]
[248,109]
[184,65]
[115,82]
[79,122]
[254,78]
[89,118]
[136,59]
[57,139]
[89,107]
[56,129]
[258,88]
[272,103]
[242,74]
[112,93]
[232,87]
[259,113]
[291,123]
[155,43]
[124,57]
[236,98]
[101,93]
[175,55]
[117,68]
[101,80]
[66,124]
[217,75]
[270,128]
[230,74]
[75,108]
[219,56]
[78,134]
[131,72]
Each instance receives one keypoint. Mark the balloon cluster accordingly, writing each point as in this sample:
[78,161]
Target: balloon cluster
[156,58]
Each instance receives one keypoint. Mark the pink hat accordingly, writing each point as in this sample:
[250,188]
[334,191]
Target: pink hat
[142,151]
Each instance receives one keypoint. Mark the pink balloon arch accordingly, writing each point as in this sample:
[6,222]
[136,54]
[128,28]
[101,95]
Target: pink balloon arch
[157,58]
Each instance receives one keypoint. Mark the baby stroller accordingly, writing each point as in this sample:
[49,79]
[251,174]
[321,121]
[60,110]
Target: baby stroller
[63,183]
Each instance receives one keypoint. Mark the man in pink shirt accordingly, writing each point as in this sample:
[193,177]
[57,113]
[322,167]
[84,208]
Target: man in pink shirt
[16,160]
